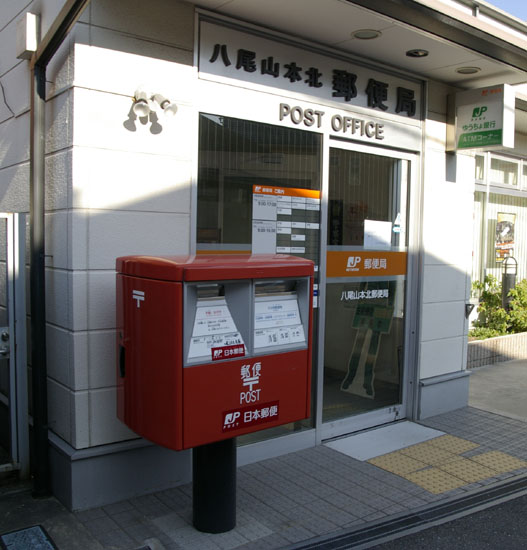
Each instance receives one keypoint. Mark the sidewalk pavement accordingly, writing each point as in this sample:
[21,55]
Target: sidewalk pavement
[287,502]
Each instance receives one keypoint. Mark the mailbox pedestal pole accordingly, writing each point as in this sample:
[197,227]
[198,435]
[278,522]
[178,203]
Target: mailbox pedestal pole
[214,486]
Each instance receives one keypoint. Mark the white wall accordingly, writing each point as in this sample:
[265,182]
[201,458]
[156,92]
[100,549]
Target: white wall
[128,193]
[114,185]
[15,128]
[447,239]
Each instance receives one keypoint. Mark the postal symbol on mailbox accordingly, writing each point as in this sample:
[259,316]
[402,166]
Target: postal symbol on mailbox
[138,296]
[251,375]
[230,419]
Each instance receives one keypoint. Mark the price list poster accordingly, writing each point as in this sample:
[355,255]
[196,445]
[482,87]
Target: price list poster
[286,220]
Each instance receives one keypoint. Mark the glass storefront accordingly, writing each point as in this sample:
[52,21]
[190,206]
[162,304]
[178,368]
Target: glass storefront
[241,166]
[367,212]
[500,216]
[364,328]
[236,156]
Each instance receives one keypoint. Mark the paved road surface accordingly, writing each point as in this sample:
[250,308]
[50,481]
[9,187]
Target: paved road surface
[502,527]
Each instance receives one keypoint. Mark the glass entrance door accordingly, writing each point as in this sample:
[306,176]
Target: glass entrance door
[366,276]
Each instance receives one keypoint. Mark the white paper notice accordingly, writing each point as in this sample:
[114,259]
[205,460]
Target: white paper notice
[264,237]
[277,322]
[214,327]
[296,237]
[264,207]
[200,346]
[377,235]
[213,320]
[276,313]
[312,204]
[279,336]
[283,228]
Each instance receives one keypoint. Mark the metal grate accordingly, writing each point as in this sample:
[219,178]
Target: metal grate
[31,538]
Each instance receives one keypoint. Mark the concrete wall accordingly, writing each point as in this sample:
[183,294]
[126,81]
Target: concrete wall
[128,193]
[496,350]
[114,185]
[448,187]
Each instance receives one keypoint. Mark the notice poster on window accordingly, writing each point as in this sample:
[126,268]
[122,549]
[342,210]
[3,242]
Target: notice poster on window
[286,221]
[277,322]
[504,236]
[377,235]
[214,329]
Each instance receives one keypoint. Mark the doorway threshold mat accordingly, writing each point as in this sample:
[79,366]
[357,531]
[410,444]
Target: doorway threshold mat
[31,538]
[380,441]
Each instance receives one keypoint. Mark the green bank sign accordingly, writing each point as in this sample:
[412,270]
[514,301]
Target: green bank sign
[485,118]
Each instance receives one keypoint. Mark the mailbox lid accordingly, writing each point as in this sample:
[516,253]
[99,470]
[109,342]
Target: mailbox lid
[213,267]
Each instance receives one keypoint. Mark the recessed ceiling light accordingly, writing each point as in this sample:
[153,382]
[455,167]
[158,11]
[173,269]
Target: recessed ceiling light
[468,70]
[366,34]
[417,53]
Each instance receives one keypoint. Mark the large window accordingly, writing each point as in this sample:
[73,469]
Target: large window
[504,171]
[238,160]
[500,215]
[235,155]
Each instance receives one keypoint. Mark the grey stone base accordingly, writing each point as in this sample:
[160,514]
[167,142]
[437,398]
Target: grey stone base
[497,350]
[98,476]
[441,394]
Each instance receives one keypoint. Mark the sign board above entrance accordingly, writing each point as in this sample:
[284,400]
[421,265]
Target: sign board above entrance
[484,118]
[275,63]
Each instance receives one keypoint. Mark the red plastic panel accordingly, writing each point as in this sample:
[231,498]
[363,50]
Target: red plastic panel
[224,400]
[214,267]
[150,395]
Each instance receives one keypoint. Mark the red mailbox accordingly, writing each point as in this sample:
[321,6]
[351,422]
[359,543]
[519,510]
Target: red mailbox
[211,347]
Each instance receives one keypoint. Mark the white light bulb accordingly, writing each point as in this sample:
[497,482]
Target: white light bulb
[170,110]
[141,108]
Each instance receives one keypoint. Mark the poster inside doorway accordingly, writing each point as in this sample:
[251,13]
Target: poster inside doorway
[504,245]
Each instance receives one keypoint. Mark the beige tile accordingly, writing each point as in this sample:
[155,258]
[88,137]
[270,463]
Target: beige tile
[499,461]
[453,444]
[467,470]
[434,480]
[428,453]
[397,463]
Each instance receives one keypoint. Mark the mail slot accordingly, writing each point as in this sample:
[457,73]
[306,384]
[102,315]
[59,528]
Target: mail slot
[212,347]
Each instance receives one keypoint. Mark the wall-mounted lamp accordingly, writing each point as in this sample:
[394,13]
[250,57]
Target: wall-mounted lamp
[168,108]
[141,107]
[144,104]
[468,309]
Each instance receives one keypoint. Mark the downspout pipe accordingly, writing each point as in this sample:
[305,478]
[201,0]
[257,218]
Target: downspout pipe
[47,48]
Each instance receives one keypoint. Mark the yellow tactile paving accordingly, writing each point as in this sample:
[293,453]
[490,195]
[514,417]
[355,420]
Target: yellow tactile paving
[452,444]
[499,461]
[434,480]
[467,470]
[397,463]
[437,465]
[428,453]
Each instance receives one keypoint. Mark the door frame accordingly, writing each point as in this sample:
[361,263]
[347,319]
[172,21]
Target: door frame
[15,341]
[367,420]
